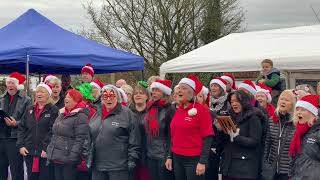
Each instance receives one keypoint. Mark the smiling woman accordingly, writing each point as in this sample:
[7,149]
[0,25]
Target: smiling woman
[35,132]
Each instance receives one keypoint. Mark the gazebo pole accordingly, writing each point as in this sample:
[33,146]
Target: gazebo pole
[27,74]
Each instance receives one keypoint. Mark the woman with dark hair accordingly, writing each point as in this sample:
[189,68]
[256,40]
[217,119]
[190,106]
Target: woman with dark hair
[191,133]
[241,153]
[157,125]
[139,108]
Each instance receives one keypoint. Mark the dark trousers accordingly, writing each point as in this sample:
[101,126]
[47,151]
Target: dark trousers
[212,170]
[281,177]
[110,175]
[10,156]
[82,175]
[185,167]
[46,172]
[158,170]
[65,171]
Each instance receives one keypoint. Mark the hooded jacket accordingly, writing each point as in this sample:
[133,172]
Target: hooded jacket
[68,136]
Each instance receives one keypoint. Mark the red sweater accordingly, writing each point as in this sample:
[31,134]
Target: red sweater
[187,133]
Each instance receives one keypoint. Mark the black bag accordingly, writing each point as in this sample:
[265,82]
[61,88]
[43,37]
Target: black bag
[268,171]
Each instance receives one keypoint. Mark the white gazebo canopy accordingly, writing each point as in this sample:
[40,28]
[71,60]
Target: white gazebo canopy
[291,49]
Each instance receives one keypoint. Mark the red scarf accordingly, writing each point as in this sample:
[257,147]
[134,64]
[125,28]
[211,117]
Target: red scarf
[152,122]
[37,112]
[35,164]
[104,112]
[295,145]
[271,112]
[80,104]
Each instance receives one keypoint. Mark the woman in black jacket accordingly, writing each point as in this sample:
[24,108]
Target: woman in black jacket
[276,158]
[69,133]
[116,138]
[241,154]
[305,148]
[34,134]
[139,109]
[157,124]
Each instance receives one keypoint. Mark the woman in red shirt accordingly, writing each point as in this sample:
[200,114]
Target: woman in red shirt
[191,133]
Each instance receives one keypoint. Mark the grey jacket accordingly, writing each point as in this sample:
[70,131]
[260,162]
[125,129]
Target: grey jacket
[306,165]
[116,139]
[68,136]
[21,103]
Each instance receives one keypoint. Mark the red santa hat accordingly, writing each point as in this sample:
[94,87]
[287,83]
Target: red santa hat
[193,82]
[88,69]
[206,96]
[17,78]
[249,86]
[230,78]
[310,103]
[97,84]
[163,85]
[46,86]
[49,77]
[75,95]
[196,85]
[266,90]
[221,82]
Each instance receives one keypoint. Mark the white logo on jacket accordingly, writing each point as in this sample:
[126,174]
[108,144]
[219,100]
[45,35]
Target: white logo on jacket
[115,124]
[188,119]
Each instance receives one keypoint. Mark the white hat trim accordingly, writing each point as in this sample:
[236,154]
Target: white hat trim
[308,106]
[46,87]
[89,67]
[267,93]
[162,87]
[189,82]
[95,85]
[205,92]
[16,82]
[219,82]
[247,87]
[227,78]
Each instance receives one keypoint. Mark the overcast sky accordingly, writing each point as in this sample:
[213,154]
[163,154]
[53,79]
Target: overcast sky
[260,14]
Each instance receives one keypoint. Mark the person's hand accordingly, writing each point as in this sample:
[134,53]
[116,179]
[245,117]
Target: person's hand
[261,81]
[43,154]
[23,151]
[169,164]
[10,122]
[233,134]
[201,169]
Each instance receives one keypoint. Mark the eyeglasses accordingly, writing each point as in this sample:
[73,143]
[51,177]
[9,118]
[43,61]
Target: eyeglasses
[108,95]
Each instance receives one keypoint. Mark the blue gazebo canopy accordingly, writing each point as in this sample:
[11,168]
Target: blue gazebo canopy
[51,49]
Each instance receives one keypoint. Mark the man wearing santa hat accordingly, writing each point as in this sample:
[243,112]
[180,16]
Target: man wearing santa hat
[87,73]
[14,104]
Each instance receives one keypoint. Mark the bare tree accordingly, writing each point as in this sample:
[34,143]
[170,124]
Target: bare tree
[160,30]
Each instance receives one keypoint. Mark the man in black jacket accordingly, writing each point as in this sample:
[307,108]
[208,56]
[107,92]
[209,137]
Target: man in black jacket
[14,104]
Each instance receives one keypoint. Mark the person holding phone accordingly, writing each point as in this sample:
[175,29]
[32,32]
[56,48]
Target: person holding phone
[241,153]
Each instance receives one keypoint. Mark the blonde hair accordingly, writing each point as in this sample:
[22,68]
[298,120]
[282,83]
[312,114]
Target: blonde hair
[55,81]
[290,93]
[50,100]
[127,88]
[295,118]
